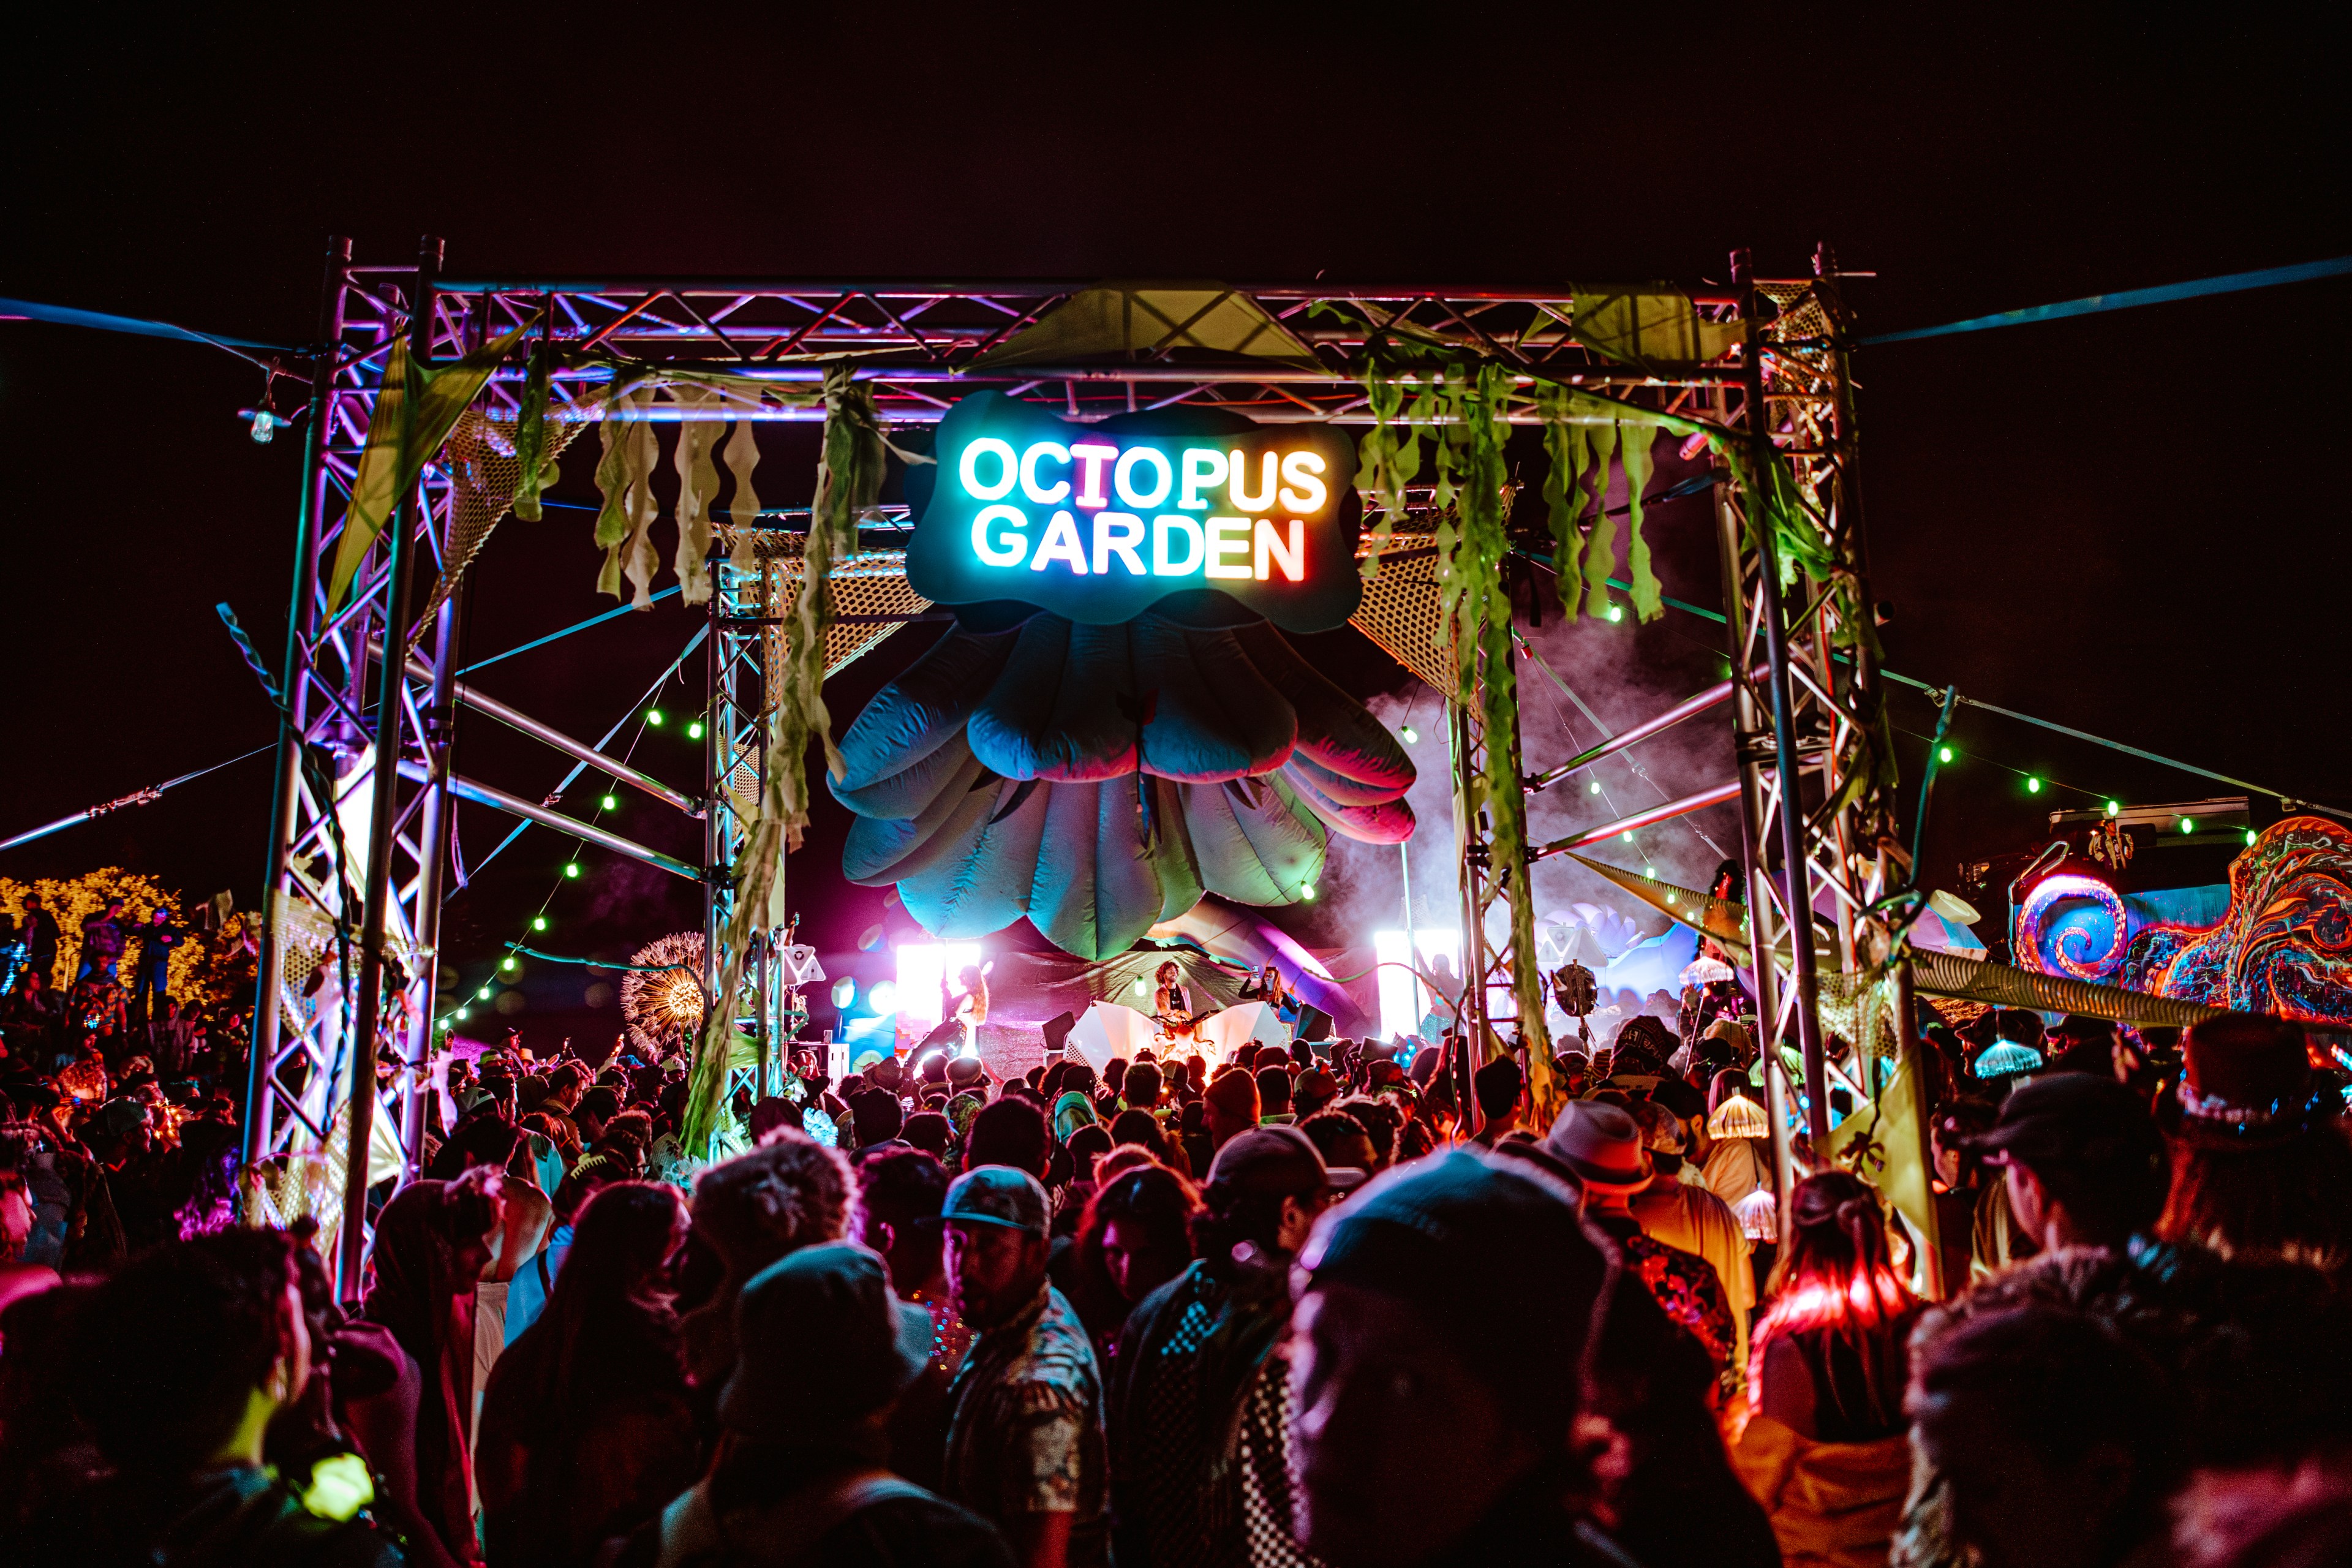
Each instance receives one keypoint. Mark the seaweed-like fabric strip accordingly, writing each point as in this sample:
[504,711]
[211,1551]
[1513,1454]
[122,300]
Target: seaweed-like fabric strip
[1601,549]
[915,715]
[885,848]
[742,455]
[1634,451]
[1008,727]
[1251,839]
[1097,889]
[698,486]
[1213,716]
[1335,730]
[984,885]
[638,453]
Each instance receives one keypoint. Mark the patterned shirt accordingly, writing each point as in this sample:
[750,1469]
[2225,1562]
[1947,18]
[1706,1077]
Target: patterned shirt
[1025,1428]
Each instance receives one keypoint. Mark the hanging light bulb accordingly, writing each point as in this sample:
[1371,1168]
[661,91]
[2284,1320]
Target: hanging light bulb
[464,1012]
[2032,786]
[1629,837]
[539,922]
[483,994]
[612,803]
[1943,753]
[2188,824]
[2249,838]
[508,964]
[1408,734]
[572,868]
[1596,786]
[654,716]
[694,730]
[2115,808]
[1616,614]
[1306,891]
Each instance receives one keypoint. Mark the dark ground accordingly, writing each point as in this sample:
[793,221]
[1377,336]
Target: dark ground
[2130,523]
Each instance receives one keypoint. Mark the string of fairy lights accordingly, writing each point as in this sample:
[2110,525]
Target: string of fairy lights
[650,717]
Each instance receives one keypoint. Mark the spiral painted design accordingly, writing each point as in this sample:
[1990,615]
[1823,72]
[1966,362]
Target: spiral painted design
[2070,948]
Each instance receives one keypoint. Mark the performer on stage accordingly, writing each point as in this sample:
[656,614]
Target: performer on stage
[969,1009]
[1269,986]
[1172,1008]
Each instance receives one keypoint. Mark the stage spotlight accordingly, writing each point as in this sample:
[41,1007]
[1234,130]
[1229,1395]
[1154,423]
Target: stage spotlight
[883,996]
[572,868]
[1943,753]
[539,922]
[1408,734]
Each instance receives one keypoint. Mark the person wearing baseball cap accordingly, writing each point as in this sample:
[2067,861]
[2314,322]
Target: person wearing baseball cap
[2081,1160]
[1199,1446]
[805,1462]
[1024,1445]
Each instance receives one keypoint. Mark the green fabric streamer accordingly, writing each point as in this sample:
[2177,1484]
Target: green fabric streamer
[530,439]
[742,455]
[1601,549]
[415,409]
[1633,451]
[698,486]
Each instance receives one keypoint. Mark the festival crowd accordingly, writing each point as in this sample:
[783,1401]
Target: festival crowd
[1328,1304]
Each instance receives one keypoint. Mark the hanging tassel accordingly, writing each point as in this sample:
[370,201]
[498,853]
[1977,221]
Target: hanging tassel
[640,453]
[698,486]
[742,455]
[1635,454]
[1601,550]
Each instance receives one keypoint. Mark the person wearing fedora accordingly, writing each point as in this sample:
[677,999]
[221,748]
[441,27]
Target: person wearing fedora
[800,1477]
[1688,1217]
[1199,1397]
[1600,1146]
[2261,1168]
[1024,1435]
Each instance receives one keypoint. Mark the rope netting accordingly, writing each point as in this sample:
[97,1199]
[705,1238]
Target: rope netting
[1401,611]
[484,475]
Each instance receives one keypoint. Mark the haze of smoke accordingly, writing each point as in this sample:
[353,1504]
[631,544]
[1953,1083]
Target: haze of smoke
[1364,883]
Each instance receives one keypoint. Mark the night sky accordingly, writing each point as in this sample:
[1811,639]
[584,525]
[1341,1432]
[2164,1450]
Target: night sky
[2130,523]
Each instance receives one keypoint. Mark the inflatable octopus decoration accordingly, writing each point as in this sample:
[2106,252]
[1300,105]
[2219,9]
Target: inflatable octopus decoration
[2286,945]
[1100,779]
